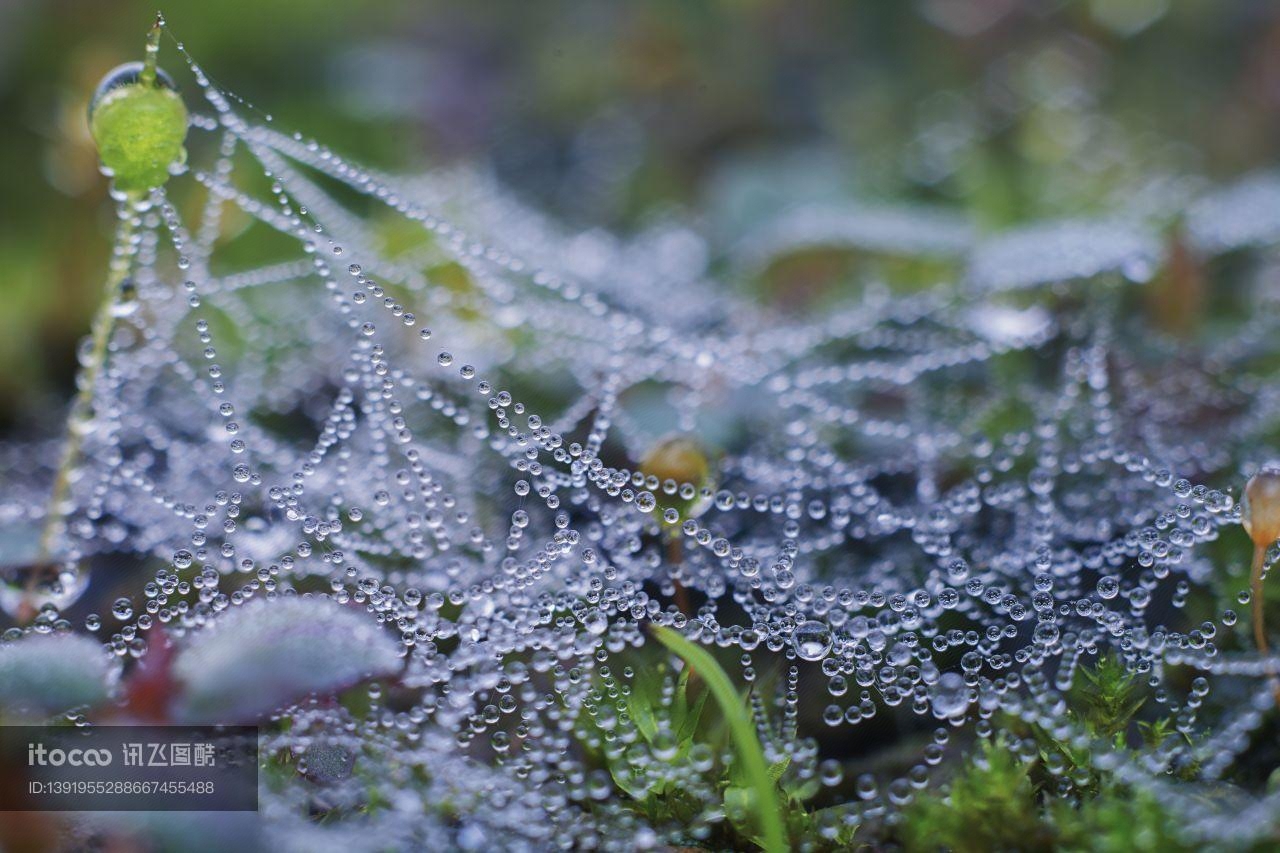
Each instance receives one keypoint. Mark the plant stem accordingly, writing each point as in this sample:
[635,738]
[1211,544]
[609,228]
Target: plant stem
[1259,626]
[81,414]
[741,728]
[147,77]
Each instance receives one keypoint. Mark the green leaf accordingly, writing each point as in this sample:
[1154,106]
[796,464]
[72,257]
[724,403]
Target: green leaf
[48,673]
[626,781]
[265,655]
[680,698]
[1157,732]
[743,731]
[737,806]
[644,698]
[805,790]
[687,725]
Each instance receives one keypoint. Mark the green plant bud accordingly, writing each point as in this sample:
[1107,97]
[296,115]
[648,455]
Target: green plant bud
[1260,509]
[139,127]
[682,459]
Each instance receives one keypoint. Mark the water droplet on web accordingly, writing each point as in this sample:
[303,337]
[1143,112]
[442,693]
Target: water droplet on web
[122,609]
[596,623]
[811,640]
[950,695]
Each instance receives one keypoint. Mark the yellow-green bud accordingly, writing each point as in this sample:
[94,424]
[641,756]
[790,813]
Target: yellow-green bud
[1260,509]
[139,127]
[680,459]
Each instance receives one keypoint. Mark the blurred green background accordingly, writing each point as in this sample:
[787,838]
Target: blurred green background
[613,113]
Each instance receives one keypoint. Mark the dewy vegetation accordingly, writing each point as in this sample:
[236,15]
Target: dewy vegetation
[516,538]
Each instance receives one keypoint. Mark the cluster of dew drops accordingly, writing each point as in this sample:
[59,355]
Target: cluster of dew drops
[881,547]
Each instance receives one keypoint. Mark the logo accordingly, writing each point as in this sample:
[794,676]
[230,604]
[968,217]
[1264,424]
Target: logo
[38,755]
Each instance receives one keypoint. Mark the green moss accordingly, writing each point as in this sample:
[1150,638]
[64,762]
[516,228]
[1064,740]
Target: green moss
[1119,820]
[1108,697]
[992,805]
[989,806]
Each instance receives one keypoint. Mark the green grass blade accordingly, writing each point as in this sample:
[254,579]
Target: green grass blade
[741,728]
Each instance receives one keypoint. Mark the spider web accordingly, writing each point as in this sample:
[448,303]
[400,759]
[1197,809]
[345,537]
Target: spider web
[932,505]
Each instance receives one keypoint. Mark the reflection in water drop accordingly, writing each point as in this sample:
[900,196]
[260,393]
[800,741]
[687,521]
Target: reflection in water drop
[28,581]
[812,640]
[26,589]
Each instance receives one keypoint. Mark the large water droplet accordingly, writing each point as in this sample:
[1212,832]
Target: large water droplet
[811,640]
